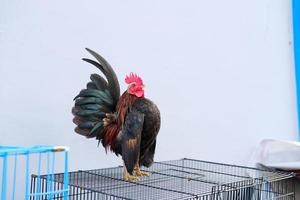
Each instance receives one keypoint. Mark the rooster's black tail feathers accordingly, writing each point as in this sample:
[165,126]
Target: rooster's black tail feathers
[100,97]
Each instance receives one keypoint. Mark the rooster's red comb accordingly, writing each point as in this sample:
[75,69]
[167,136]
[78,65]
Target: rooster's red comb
[132,77]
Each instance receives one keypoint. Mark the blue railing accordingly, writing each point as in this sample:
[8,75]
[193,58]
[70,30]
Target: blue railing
[49,151]
[296,30]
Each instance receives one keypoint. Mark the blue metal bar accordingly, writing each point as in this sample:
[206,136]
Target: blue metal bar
[14,178]
[52,175]
[48,173]
[66,177]
[296,30]
[39,177]
[27,177]
[4,177]
[48,193]
[24,150]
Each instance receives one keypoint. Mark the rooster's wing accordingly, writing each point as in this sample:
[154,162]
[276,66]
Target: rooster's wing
[130,138]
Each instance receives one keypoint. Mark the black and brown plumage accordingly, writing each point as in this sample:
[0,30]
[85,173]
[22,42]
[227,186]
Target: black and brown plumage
[127,124]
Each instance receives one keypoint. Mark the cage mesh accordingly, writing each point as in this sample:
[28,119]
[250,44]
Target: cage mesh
[177,179]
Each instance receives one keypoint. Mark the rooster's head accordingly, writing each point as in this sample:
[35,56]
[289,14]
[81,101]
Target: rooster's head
[135,85]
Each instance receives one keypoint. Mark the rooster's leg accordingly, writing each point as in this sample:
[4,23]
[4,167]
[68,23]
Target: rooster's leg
[137,171]
[129,177]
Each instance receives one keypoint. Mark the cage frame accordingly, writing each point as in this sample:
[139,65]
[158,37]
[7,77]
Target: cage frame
[107,183]
[15,151]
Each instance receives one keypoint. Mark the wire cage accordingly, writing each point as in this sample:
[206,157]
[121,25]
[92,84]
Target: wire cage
[178,179]
[19,162]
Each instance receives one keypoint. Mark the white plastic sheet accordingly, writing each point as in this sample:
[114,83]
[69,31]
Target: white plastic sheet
[278,154]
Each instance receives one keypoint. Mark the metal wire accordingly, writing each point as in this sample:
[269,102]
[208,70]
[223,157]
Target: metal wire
[178,179]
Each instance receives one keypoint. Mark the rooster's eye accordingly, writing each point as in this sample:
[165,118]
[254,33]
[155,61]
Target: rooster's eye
[133,85]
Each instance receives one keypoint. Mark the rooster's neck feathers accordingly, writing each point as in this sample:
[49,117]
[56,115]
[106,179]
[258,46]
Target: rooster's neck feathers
[112,130]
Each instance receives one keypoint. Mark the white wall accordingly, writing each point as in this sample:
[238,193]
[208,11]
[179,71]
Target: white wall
[220,71]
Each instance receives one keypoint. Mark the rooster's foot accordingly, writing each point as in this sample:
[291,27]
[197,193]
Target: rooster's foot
[130,178]
[141,173]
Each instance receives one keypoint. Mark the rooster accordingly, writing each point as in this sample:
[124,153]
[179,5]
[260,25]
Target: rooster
[127,125]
